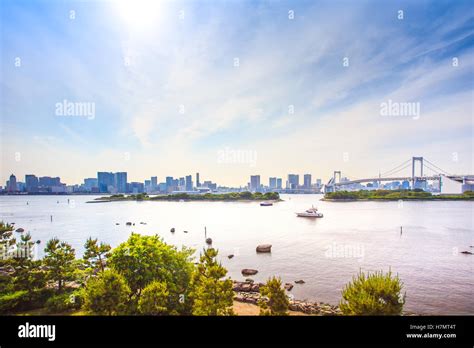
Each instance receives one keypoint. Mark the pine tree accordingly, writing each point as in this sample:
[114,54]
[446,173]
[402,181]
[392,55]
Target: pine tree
[210,294]
[60,261]
[154,299]
[95,254]
[274,300]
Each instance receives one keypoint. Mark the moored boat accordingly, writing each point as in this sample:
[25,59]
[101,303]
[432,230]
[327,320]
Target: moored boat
[311,212]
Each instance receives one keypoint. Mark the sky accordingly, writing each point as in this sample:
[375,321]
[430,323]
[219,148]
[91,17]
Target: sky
[234,88]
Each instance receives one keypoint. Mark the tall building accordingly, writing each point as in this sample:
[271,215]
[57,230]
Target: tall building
[31,182]
[11,184]
[105,181]
[189,183]
[254,183]
[120,182]
[48,182]
[307,181]
[293,181]
[90,184]
[198,183]
[154,183]
[272,183]
[279,183]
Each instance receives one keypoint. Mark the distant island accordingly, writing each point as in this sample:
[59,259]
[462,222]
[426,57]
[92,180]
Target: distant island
[231,196]
[394,195]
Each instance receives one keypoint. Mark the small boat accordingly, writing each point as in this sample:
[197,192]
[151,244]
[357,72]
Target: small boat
[266,204]
[311,212]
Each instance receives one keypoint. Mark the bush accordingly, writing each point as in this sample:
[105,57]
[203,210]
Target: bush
[373,294]
[13,301]
[106,294]
[61,303]
[274,300]
[154,299]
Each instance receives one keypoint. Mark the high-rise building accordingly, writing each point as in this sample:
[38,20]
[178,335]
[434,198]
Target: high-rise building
[31,182]
[90,184]
[189,183]
[307,181]
[120,182]
[279,183]
[198,183]
[11,184]
[293,181]
[154,183]
[48,182]
[254,183]
[105,181]
[272,182]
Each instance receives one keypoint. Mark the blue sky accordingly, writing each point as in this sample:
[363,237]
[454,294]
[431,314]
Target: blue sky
[169,99]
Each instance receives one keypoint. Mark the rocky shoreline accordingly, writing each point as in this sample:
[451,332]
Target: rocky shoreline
[248,292]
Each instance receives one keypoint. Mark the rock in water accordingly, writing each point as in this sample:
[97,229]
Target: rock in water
[264,248]
[466,252]
[249,271]
[288,286]
[20,230]
[301,281]
[208,240]
[230,256]
[128,223]
[172,230]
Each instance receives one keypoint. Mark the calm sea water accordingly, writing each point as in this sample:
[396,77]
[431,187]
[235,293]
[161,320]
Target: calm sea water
[325,252]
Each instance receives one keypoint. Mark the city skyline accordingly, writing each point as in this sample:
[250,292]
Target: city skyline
[234,89]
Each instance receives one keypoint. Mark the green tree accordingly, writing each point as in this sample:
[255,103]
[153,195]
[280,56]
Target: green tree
[95,254]
[373,294]
[59,261]
[274,300]
[154,299]
[144,259]
[106,294]
[211,295]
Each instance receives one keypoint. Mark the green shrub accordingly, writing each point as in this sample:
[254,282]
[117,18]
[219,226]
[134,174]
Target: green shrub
[13,301]
[106,294]
[373,294]
[154,299]
[274,300]
[61,303]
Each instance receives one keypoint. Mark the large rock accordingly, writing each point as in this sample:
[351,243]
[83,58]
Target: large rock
[20,230]
[264,248]
[288,286]
[249,272]
[301,281]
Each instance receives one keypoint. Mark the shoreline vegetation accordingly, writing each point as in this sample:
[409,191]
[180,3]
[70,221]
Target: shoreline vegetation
[218,197]
[394,195]
[146,276]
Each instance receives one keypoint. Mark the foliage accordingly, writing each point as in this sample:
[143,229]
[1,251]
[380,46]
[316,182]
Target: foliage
[231,196]
[13,301]
[373,294]
[393,195]
[95,254]
[106,294]
[210,294]
[60,261]
[144,259]
[154,299]
[62,303]
[274,300]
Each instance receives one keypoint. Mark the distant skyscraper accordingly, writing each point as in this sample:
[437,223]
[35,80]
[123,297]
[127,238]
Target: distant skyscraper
[189,183]
[105,180]
[307,181]
[198,183]
[90,183]
[279,183]
[11,186]
[254,183]
[272,183]
[31,182]
[154,183]
[120,182]
[293,181]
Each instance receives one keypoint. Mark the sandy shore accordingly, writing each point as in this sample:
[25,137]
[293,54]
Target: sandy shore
[241,308]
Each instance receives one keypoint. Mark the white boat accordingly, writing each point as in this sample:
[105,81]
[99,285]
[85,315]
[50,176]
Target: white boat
[311,212]
[266,204]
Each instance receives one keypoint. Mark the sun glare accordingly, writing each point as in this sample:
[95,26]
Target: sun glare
[138,14]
